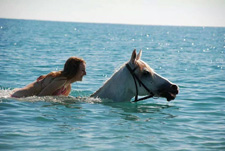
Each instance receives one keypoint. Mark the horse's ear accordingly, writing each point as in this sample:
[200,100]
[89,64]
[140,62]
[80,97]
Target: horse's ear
[133,57]
[139,55]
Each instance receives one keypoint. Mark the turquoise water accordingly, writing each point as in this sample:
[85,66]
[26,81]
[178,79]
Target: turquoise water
[192,57]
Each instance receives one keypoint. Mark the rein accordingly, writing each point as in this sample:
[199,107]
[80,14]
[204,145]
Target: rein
[135,77]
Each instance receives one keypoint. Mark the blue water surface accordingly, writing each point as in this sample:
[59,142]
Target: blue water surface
[192,57]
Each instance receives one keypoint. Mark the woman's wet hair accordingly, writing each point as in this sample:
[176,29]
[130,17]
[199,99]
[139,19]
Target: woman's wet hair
[71,67]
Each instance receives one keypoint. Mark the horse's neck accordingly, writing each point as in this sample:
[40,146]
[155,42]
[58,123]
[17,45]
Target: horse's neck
[116,88]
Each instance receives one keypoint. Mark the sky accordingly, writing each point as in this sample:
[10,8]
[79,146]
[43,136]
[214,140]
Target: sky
[145,12]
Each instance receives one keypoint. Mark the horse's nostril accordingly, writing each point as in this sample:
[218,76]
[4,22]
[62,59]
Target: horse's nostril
[174,87]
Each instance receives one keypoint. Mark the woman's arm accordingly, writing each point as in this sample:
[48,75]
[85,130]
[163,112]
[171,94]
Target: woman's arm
[56,84]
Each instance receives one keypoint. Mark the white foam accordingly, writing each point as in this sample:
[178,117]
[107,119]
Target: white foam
[5,93]
[56,99]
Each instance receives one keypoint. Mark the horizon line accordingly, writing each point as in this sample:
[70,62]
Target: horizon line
[132,24]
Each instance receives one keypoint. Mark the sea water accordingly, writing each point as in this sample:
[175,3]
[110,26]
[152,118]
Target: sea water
[191,57]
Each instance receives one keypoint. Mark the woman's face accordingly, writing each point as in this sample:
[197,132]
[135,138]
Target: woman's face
[81,72]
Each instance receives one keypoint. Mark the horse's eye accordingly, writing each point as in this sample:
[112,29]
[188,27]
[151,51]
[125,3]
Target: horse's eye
[145,73]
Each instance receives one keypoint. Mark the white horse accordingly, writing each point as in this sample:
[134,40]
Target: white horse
[136,78]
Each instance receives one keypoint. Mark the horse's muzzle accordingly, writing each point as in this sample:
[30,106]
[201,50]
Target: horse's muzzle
[169,92]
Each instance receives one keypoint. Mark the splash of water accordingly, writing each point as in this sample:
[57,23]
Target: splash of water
[6,94]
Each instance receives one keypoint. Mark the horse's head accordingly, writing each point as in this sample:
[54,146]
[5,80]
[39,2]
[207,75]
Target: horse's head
[149,82]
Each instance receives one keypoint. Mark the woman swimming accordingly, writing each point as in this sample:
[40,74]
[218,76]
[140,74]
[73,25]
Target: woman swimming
[55,83]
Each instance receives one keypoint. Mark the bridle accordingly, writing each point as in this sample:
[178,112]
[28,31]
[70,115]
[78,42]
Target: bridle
[135,77]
